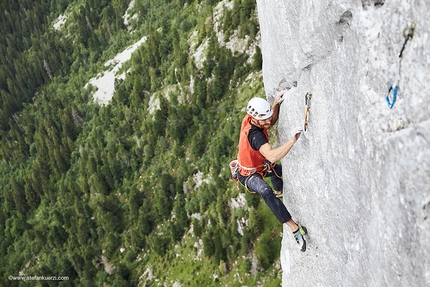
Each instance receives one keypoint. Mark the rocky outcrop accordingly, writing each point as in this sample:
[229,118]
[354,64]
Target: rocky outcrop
[359,177]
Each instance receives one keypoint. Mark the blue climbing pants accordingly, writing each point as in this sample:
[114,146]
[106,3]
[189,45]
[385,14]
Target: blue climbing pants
[255,183]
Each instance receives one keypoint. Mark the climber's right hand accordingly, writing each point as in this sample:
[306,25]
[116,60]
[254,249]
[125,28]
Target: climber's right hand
[296,133]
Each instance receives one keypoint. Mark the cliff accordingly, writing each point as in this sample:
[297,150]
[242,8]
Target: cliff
[359,177]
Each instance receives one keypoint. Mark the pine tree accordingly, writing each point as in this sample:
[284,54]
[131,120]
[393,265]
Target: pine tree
[31,195]
[197,227]
[18,193]
[208,245]
[146,221]
[257,62]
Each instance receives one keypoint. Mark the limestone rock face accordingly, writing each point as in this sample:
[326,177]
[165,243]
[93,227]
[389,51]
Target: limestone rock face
[359,177]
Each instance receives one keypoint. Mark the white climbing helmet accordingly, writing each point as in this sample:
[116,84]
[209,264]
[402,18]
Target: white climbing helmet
[259,108]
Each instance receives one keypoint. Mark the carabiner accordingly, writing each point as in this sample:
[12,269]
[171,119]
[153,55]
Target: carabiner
[308,97]
[393,101]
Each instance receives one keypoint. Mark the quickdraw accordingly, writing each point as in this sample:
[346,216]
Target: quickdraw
[308,97]
[408,33]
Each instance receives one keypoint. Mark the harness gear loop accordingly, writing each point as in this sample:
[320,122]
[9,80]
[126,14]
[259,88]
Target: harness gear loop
[271,167]
[234,169]
[308,97]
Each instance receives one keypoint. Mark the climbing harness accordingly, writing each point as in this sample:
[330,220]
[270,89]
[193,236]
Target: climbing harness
[236,168]
[267,167]
[262,170]
[308,97]
[408,33]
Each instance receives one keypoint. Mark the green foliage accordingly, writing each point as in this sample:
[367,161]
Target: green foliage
[266,251]
[241,18]
[246,266]
[257,63]
[209,245]
[255,222]
[197,227]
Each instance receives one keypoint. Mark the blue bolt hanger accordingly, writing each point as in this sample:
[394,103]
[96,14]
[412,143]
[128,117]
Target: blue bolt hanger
[408,33]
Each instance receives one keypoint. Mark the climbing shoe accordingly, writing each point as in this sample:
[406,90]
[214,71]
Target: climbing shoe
[299,237]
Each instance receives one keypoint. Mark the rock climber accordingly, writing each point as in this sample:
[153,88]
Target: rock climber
[257,159]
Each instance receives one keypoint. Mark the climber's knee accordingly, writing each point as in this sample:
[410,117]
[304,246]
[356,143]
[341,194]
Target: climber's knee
[255,183]
[265,190]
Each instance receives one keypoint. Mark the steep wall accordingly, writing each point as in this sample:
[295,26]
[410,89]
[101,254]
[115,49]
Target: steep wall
[359,178]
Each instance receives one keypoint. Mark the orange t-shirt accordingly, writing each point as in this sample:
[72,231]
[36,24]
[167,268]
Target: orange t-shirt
[247,156]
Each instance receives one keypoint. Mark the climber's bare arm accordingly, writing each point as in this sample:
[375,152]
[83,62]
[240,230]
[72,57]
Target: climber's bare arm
[275,154]
[275,107]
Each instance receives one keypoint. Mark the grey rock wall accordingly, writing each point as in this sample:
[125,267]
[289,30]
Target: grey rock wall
[359,177]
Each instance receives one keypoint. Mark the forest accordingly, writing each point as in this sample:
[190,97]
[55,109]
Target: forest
[111,195]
